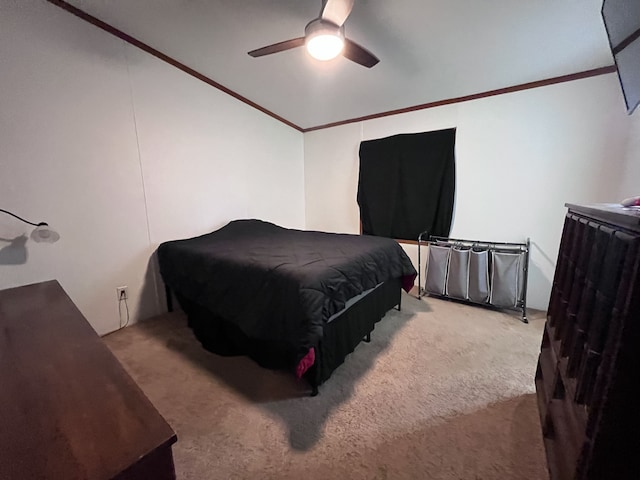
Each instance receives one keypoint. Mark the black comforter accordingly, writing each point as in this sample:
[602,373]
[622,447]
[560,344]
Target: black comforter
[279,284]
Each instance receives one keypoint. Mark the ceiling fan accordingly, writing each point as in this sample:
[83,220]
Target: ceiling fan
[324,37]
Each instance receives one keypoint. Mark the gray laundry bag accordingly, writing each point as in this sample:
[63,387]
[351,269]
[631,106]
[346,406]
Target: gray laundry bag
[506,279]
[436,269]
[458,277]
[479,276]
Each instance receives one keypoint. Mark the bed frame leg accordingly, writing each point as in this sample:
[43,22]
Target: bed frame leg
[367,338]
[167,292]
[400,304]
[314,390]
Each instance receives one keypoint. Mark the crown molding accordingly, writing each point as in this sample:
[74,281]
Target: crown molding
[475,96]
[166,58]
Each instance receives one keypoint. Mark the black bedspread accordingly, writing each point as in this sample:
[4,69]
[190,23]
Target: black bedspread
[279,284]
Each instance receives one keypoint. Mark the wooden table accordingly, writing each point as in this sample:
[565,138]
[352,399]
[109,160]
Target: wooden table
[68,409]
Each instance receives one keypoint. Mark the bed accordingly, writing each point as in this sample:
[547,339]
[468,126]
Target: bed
[289,299]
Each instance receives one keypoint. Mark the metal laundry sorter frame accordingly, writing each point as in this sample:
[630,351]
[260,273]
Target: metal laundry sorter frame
[504,281]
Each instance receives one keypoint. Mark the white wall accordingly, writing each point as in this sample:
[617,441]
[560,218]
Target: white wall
[631,179]
[119,152]
[519,158]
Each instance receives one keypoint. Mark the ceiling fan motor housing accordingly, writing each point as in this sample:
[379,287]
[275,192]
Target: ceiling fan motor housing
[319,27]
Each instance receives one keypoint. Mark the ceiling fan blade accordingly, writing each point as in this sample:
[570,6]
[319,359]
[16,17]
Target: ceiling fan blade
[358,54]
[277,47]
[336,11]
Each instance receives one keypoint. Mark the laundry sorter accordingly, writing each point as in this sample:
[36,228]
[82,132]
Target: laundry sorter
[476,272]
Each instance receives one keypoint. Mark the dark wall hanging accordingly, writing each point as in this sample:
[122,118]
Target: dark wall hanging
[406,184]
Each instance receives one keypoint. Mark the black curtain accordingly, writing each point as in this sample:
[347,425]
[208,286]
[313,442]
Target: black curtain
[406,184]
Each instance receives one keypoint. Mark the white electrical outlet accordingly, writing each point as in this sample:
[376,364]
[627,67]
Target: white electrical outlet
[122,292]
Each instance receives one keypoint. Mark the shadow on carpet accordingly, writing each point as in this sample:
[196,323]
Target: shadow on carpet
[274,390]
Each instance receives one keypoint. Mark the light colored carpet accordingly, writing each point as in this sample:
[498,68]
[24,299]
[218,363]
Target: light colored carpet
[443,391]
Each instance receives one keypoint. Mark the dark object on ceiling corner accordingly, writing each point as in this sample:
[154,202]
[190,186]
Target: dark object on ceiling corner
[622,21]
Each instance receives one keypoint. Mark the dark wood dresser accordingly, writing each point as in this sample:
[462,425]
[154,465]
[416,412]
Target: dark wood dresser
[588,375]
[68,409]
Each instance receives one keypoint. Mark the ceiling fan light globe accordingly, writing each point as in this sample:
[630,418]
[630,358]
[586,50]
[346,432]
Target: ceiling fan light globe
[324,40]
[325,46]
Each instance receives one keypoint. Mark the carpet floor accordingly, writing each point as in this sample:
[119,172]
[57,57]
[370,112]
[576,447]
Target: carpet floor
[443,391]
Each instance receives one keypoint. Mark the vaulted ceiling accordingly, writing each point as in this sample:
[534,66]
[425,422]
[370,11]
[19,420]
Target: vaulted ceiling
[429,50]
